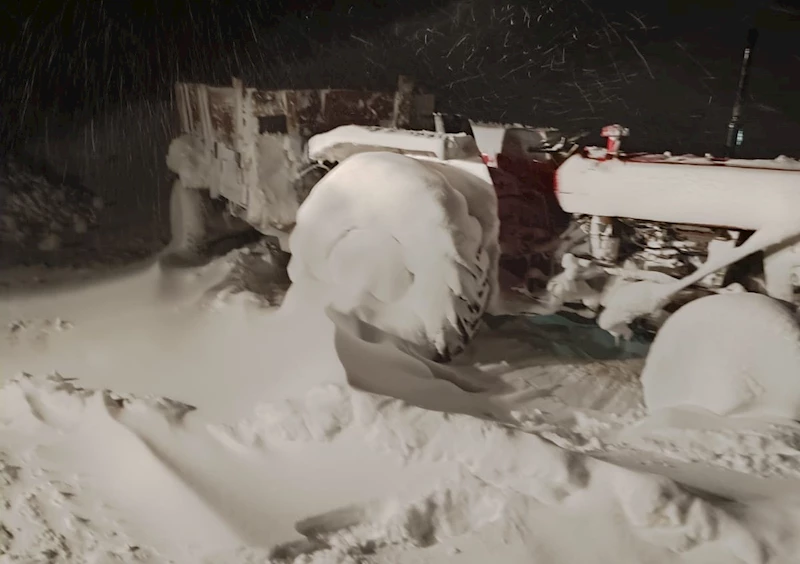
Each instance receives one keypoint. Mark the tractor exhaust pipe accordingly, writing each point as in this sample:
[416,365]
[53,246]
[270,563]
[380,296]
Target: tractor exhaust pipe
[734,139]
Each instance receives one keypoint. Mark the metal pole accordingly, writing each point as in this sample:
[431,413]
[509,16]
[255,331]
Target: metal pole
[734,126]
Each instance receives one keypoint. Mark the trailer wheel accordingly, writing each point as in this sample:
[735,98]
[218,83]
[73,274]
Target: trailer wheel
[188,216]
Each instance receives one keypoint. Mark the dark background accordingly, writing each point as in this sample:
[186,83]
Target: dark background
[668,69]
[86,85]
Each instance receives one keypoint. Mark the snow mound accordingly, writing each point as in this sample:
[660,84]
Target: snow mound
[732,354]
[36,213]
[257,270]
[49,514]
[505,487]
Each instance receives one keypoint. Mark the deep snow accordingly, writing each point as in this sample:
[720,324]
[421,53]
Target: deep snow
[275,436]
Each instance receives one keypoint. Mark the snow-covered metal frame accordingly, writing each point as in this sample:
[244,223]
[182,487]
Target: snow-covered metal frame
[255,139]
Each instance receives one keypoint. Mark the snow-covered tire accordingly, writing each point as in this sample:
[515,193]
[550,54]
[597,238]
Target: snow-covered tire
[408,246]
[732,354]
[471,305]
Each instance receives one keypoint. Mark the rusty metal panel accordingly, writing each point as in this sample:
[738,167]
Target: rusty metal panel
[205,116]
[254,160]
[192,106]
[327,106]
[345,107]
[207,111]
[303,109]
[424,105]
[184,106]
[403,102]
[222,111]
[422,110]
[290,110]
[310,112]
[307,112]
[268,102]
[195,111]
[180,102]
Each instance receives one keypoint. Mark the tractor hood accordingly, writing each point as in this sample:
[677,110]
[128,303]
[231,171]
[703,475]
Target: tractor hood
[735,193]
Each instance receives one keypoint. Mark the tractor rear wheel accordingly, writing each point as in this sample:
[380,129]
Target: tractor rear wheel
[407,246]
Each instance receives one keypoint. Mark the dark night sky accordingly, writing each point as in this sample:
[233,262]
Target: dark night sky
[136,42]
[89,55]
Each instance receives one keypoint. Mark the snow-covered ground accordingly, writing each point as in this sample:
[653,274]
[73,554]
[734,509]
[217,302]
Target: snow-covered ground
[174,415]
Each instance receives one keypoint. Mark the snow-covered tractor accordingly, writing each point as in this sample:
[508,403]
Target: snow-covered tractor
[653,231]
[420,224]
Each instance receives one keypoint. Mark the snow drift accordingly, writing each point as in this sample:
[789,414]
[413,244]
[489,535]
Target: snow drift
[265,453]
